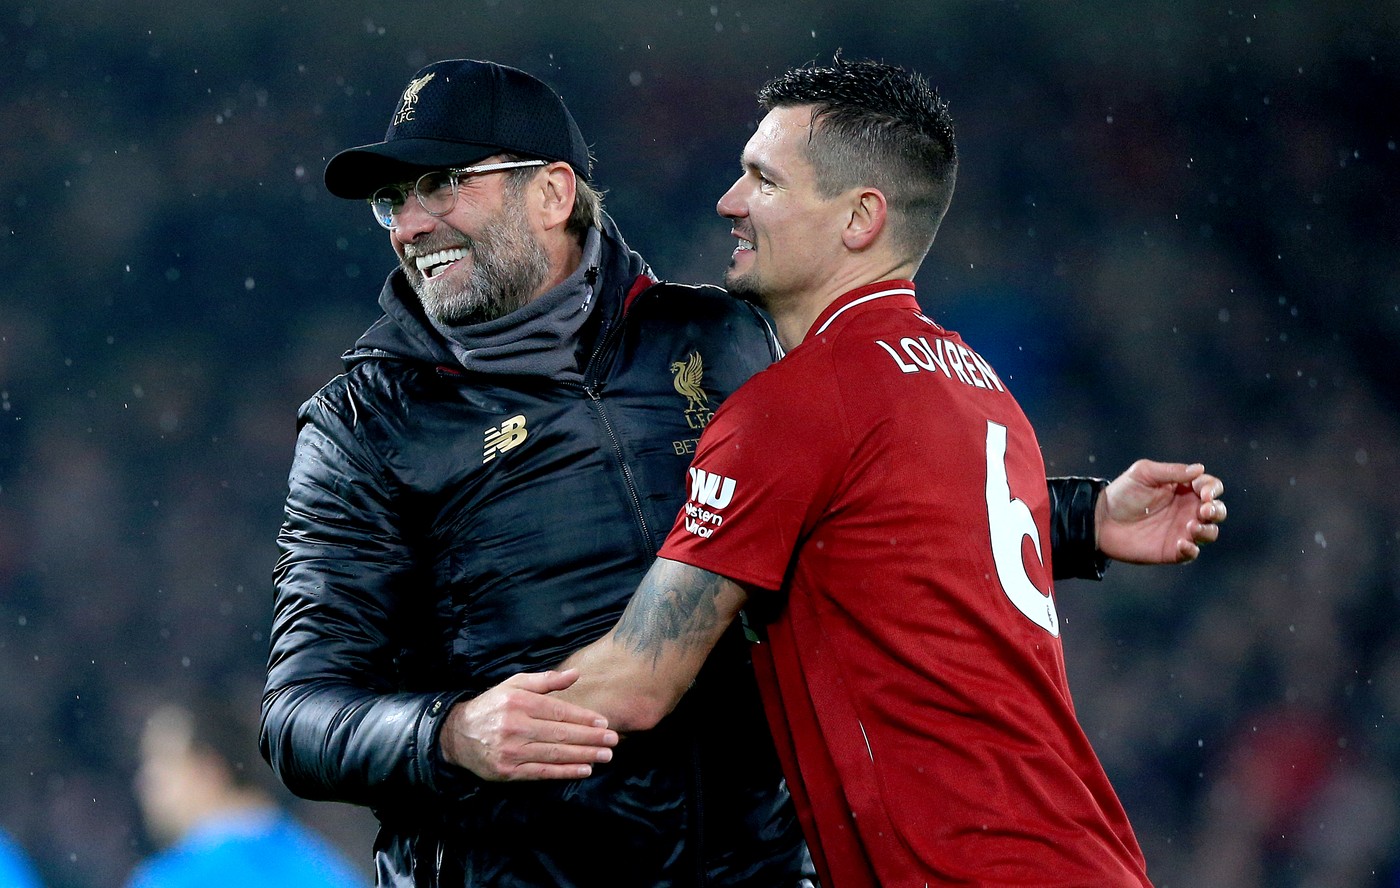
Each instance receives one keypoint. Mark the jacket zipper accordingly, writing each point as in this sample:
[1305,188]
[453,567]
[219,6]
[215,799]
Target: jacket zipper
[594,392]
[590,386]
[629,482]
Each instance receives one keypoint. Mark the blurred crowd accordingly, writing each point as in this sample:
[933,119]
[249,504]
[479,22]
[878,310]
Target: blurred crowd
[1175,234]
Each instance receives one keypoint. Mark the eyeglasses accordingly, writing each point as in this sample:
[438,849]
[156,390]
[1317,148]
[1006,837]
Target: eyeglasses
[436,191]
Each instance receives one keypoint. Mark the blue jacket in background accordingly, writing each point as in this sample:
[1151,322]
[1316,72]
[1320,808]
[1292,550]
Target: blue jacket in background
[263,850]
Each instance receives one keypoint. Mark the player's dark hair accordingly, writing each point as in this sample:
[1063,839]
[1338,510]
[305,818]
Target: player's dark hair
[879,125]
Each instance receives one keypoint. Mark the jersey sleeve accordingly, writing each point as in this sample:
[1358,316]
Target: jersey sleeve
[764,470]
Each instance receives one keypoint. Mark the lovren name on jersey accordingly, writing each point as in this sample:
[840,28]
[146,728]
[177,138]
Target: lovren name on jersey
[953,359]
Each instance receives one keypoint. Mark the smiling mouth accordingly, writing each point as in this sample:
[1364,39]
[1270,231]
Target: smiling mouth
[434,264]
[744,245]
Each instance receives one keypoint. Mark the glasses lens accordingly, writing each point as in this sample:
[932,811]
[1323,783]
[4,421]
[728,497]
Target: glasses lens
[385,203]
[437,192]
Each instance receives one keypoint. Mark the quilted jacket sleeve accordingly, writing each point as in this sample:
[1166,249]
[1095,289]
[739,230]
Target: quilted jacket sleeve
[1072,541]
[334,724]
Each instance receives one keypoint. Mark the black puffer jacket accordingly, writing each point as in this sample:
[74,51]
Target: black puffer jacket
[456,518]
[448,527]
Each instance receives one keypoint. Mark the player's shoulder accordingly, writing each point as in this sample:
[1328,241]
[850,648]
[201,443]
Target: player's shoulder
[381,390]
[792,385]
[707,311]
[678,290]
[695,300]
[363,377]
[831,351]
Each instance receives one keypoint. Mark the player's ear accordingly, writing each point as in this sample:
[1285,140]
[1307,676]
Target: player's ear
[868,215]
[558,189]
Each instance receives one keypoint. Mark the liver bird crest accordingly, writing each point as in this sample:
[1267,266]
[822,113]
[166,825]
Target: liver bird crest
[410,97]
[687,381]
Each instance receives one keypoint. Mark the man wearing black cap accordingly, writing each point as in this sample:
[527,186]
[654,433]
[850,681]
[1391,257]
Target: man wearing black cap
[474,497]
[477,495]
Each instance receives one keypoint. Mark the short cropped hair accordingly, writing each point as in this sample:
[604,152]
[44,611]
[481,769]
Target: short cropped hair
[879,125]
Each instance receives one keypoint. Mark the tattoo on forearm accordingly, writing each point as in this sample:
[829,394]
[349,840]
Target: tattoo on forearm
[671,614]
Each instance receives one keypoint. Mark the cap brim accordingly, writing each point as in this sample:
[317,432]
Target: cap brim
[356,173]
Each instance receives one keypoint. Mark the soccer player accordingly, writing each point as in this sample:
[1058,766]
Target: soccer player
[219,820]
[879,497]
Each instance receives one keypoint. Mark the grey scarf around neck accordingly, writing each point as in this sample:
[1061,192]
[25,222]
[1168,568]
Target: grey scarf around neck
[538,338]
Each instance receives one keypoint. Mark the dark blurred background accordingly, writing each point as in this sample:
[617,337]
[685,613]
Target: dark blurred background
[1175,233]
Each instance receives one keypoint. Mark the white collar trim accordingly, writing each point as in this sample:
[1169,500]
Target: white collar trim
[898,291]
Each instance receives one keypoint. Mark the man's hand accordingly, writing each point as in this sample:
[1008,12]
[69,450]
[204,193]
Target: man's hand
[516,732]
[1159,513]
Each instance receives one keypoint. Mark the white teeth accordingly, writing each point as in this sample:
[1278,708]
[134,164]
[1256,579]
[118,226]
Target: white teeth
[745,245]
[428,264]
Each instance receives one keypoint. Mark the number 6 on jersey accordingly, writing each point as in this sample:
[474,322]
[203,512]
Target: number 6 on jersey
[1010,521]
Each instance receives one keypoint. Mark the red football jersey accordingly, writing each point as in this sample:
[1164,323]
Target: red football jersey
[882,480]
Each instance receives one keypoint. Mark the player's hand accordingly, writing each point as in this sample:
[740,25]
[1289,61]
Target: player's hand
[1159,513]
[515,731]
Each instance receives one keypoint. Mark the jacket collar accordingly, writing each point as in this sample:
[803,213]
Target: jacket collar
[550,337]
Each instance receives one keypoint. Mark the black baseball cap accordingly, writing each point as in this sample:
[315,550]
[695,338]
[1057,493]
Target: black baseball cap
[455,113]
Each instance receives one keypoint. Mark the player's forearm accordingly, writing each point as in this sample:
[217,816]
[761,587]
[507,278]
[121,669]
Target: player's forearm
[637,673]
[621,685]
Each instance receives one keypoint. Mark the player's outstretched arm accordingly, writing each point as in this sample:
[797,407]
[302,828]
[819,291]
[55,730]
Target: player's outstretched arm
[1159,513]
[637,673]
[557,724]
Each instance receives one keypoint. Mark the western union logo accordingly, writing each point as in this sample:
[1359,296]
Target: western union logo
[709,489]
[511,433]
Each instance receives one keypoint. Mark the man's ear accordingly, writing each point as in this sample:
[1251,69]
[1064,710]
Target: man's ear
[868,214]
[557,191]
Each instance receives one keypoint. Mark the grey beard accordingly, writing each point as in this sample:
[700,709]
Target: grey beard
[508,270]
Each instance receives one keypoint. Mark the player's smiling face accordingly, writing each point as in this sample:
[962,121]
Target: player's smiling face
[476,263]
[787,233]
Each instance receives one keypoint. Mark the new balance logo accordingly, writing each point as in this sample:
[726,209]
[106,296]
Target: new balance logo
[709,489]
[512,433]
